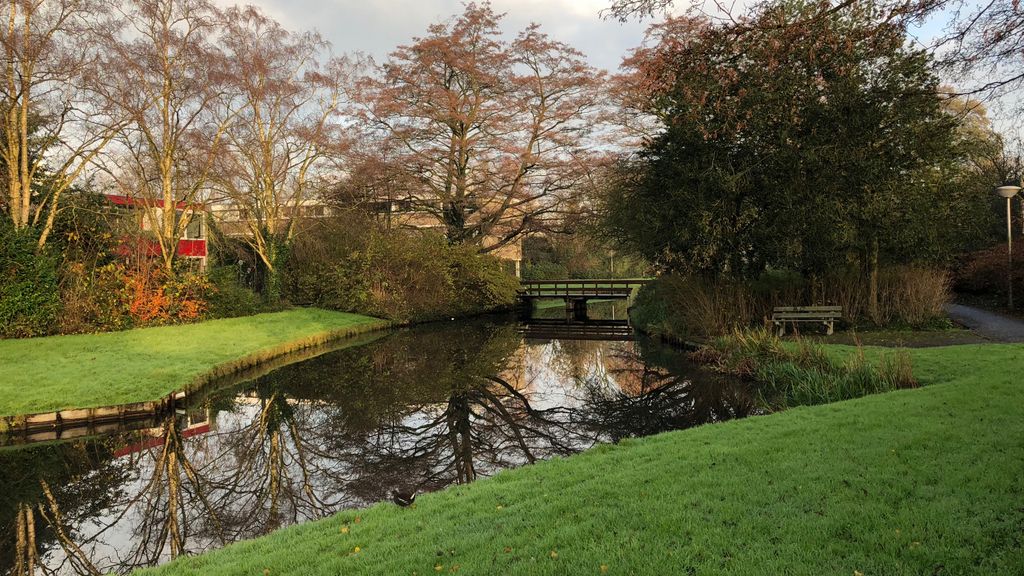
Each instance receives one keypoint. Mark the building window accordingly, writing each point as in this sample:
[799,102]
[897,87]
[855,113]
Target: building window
[194,230]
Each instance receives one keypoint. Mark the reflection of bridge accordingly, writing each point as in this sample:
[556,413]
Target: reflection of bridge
[555,329]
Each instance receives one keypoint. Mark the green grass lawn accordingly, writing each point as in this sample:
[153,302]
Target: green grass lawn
[902,338]
[923,482]
[86,370]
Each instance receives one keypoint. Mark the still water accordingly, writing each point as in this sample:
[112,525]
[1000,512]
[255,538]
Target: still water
[412,410]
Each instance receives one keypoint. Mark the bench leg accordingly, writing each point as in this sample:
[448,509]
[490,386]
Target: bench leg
[831,327]
[782,328]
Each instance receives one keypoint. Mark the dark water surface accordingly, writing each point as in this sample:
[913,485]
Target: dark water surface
[417,409]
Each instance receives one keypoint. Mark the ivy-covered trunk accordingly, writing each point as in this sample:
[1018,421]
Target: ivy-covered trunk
[272,262]
[873,281]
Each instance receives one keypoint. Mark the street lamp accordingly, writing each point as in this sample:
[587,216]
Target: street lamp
[1009,191]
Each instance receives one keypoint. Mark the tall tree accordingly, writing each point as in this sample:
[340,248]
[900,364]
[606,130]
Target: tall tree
[283,101]
[164,72]
[51,127]
[494,131]
[792,138]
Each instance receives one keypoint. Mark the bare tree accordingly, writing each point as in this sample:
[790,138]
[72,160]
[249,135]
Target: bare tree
[493,132]
[285,99]
[51,129]
[985,42]
[164,72]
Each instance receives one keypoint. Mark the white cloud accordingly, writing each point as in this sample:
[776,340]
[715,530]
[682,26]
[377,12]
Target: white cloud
[376,27]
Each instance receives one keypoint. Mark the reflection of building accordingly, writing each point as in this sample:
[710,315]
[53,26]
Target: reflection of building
[392,214]
[194,422]
[192,243]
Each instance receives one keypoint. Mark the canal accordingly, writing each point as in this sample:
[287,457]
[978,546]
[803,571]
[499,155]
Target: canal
[412,411]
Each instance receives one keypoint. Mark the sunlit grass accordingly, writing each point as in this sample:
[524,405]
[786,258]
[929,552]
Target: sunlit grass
[86,370]
[922,481]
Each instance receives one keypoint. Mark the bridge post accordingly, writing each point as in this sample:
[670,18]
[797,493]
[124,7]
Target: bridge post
[576,308]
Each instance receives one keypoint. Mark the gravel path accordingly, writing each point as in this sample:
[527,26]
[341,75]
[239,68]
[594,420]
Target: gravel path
[988,324]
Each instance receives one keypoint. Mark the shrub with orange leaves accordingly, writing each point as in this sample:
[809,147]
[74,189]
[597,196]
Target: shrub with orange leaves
[153,296]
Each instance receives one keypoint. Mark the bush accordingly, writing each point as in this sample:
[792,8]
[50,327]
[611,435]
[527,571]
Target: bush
[544,271]
[579,254]
[479,283]
[228,298]
[29,293]
[908,295]
[690,308]
[92,299]
[120,295]
[984,273]
[349,264]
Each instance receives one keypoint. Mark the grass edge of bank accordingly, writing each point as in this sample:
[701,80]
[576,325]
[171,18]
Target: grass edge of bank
[320,331]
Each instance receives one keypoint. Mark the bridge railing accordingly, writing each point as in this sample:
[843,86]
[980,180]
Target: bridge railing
[620,288]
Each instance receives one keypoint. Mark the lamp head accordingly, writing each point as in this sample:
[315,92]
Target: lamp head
[1007,191]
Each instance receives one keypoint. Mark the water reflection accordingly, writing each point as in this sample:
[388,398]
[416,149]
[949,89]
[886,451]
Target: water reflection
[416,411]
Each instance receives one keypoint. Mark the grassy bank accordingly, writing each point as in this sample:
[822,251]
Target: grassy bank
[922,481]
[81,371]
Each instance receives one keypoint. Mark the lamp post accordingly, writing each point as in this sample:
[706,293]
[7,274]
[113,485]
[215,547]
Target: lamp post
[1009,191]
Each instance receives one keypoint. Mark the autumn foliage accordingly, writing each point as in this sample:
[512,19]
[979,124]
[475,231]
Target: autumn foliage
[490,136]
[152,296]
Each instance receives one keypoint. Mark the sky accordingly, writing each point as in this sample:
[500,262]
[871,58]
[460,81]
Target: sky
[376,27]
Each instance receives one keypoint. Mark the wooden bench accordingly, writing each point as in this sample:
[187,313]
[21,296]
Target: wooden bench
[827,315]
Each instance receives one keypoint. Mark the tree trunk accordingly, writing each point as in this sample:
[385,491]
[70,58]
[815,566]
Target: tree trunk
[873,282]
[277,252]
[455,223]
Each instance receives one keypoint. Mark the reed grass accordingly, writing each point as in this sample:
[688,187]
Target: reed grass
[803,373]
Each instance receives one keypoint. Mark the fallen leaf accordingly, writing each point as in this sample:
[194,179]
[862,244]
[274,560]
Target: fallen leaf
[554,554]
[358,519]
[508,549]
[438,567]
[604,568]
[343,529]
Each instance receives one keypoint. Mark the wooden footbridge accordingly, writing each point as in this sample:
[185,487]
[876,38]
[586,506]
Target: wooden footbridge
[576,293]
[581,289]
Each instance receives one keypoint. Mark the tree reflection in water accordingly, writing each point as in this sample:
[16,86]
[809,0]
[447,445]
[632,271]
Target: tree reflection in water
[419,410]
[44,503]
[647,399]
